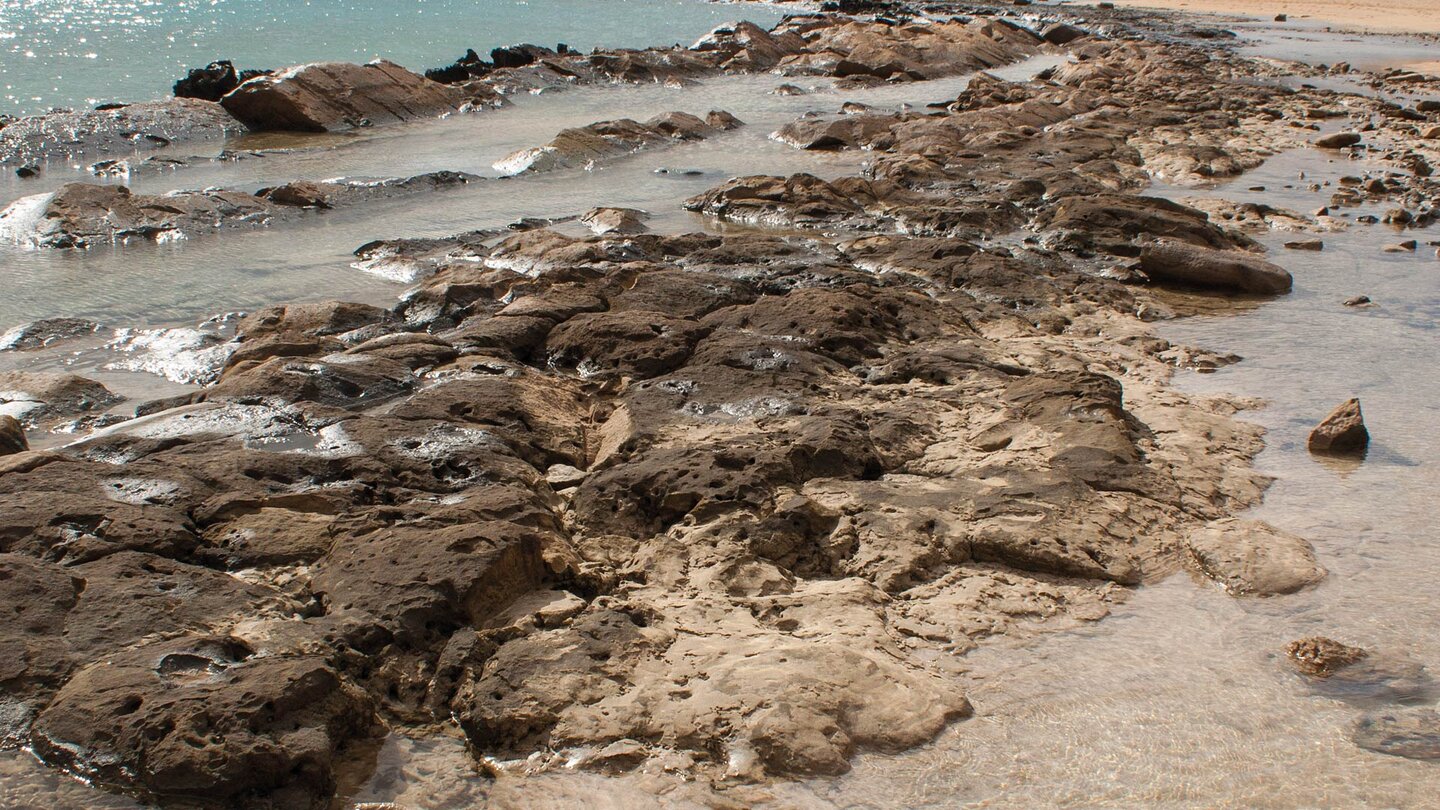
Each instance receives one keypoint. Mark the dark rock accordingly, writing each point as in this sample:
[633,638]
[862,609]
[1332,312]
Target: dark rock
[1172,261]
[1305,244]
[203,719]
[1343,431]
[1061,34]
[468,67]
[1338,140]
[42,333]
[214,81]
[27,172]
[12,436]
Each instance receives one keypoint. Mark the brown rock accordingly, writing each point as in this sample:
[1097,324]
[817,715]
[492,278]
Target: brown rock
[12,436]
[1338,140]
[331,96]
[1173,261]
[1306,244]
[1343,431]
[200,719]
[1251,558]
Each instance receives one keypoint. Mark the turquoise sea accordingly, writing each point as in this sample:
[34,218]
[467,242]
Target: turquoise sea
[74,53]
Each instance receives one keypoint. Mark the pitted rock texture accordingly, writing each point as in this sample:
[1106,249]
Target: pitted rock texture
[733,504]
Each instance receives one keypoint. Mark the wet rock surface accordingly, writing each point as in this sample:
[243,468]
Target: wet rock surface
[1254,558]
[580,146]
[332,96]
[82,215]
[729,504]
[125,130]
[1342,432]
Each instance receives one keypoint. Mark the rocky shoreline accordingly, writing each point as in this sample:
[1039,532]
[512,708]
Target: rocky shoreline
[719,509]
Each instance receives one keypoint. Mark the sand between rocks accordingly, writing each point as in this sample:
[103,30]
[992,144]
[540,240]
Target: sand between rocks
[1408,16]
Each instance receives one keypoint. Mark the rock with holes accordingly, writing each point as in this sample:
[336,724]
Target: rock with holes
[205,719]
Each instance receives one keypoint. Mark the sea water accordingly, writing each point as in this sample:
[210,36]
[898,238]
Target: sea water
[78,53]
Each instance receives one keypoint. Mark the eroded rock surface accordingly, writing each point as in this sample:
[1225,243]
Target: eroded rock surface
[728,505]
[82,215]
[606,139]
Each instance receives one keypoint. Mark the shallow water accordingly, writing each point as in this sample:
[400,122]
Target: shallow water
[65,52]
[1182,697]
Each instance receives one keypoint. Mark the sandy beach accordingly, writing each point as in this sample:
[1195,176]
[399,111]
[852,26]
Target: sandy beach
[1400,16]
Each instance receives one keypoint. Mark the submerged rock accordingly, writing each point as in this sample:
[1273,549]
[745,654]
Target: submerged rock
[1413,733]
[44,332]
[1252,558]
[1343,431]
[83,215]
[1322,657]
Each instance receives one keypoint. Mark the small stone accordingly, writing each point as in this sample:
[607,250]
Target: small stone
[788,90]
[1338,140]
[1375,186]
[1430,133]
[614,220]
[27,172]
[1343,431]
[1253,558]
[1321,657]
[1407,246]
[1305,244]
[1281,18]
[1322,212]
[1398,216]
[562,476]
[1357,301]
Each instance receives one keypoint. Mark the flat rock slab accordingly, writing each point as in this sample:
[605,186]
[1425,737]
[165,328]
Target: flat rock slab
[332,96]
[1253,558]
[138,126]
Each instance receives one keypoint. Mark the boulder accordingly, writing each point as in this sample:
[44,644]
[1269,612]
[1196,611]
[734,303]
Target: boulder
[1252,558]
[331,96]
[1061,33]
[1342,432]
[12,436]
[1172,261]
[213,81]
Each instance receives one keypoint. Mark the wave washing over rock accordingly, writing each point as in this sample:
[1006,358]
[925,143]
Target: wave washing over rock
[724,508]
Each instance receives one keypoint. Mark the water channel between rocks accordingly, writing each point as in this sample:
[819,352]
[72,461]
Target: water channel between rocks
[1179,699]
